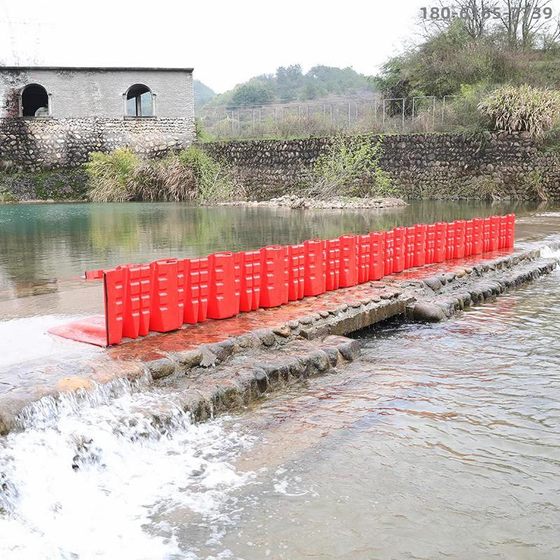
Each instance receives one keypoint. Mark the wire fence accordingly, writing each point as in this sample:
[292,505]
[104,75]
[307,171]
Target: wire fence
[412,114]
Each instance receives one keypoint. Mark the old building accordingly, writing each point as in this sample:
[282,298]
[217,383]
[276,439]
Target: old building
[55,116]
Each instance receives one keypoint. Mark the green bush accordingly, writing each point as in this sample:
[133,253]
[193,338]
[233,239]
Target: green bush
[522,109]
[350,167]
[190,175]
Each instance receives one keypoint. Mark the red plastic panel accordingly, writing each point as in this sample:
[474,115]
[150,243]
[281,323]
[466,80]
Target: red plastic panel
[115,293]
[503,236]
[165,308]
[94,274]
[296,272]
[398,258]
[420,232]
[91,330]
[494,233]
[377,264]
[460,229]
[486,235]
[225,284]
[431,243]
[478,236]
[250,296]
[315,277]
[136,321]
[409,247]
[332,268]
[468,238]
[450,242]
[389,252]
[348,260]
[441,242]
[364,257]
[510,240]
[275,278]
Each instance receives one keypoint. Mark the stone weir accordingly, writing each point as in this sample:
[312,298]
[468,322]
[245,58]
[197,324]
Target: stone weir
[224,365]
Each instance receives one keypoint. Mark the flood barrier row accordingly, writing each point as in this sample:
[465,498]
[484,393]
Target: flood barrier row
[163,295]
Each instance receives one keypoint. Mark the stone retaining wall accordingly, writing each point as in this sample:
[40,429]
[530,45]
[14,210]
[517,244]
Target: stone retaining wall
[440,166]
[40,144]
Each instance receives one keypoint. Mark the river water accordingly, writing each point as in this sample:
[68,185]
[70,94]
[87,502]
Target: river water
[441,441]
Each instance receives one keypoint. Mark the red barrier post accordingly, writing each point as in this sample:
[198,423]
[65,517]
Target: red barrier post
[502,241]
[249,298]
[450,242]
[332,270]
[274,276]
[468,238]
[460,230]
[364,257]
[114,289]
[389,252]
[478,236]
[165,306]
[296,275]
[398,260]
[430,243]
[410,247]
[315,277]
[224,295]
[486,235]
[348,261]
[420,232]
[136,319]
[494,233]
[441,242]
[377,268]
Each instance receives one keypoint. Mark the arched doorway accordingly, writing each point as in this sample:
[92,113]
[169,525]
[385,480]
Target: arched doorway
[139,101]
[34,101]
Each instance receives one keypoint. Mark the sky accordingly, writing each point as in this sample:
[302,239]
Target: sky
[226,41]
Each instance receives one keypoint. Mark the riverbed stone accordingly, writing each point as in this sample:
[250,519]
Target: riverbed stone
[427,312]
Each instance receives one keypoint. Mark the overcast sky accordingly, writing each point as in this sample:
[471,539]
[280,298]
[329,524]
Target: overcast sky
[226,41]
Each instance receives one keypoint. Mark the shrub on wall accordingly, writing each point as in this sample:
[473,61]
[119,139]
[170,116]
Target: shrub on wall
[191,174]
[350,167]
[522,109]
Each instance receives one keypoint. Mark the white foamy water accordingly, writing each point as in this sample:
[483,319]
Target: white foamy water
[88,476]
[550,253]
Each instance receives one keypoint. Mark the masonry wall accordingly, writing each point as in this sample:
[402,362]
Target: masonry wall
[91,93]
[39,144]
[444,166]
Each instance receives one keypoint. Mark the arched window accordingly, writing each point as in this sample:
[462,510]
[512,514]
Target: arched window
[34,101]
[139,101]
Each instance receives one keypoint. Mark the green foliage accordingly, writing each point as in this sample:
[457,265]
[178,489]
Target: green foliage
[290,84]
[522,109]
[188,175]
[350,167]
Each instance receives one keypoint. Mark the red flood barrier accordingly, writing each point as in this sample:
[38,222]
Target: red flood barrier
[274,276]
[468,238]
[332,264]
[225,285]
[348,261]
[478,236]
[315,277]
[389,252]
[459,245]
[441,242]
[94,274]
[420,231]
[410,247]
[377,264]
[296,272]
[167,293]
[166,312]
[494,233]
[364,257]
[136,318]
[399,249]
[250,288]
[430,243]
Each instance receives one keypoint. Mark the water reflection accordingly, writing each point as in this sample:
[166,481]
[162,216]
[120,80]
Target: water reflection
[39,243]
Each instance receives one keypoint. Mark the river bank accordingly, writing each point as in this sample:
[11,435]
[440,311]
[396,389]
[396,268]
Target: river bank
[295,202]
